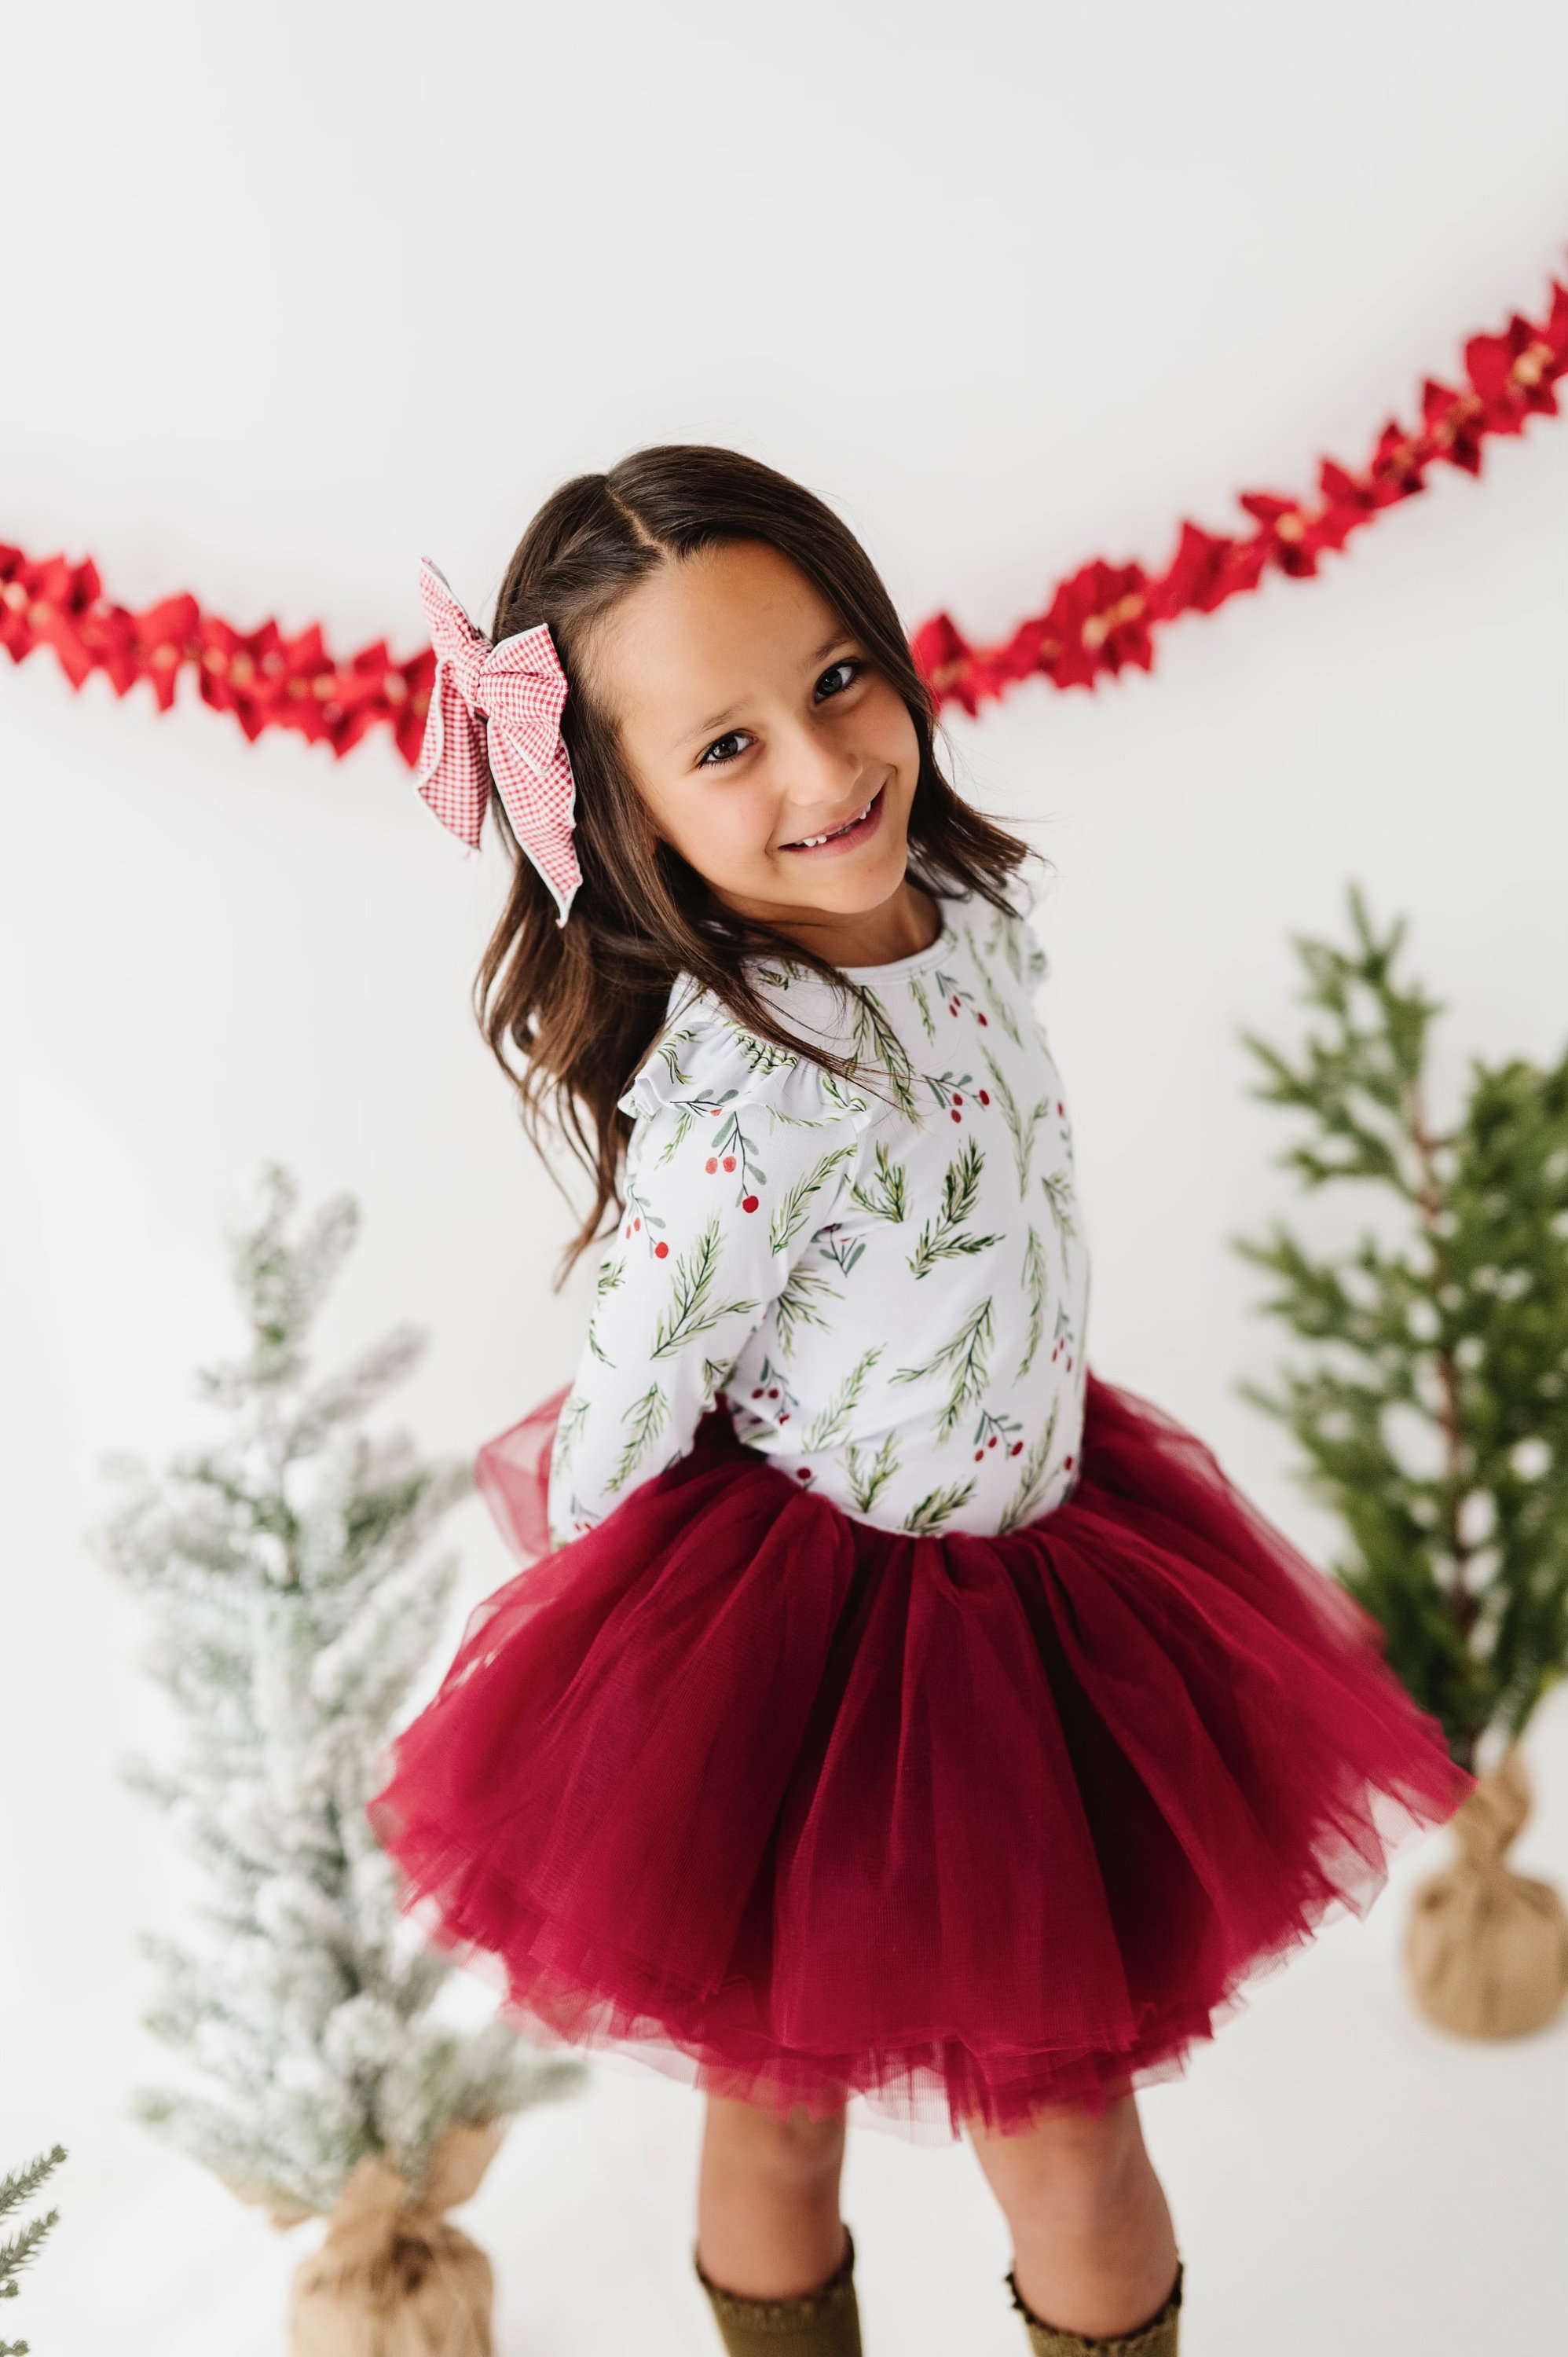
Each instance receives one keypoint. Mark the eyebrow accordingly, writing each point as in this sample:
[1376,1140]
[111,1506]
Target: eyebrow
[712,727]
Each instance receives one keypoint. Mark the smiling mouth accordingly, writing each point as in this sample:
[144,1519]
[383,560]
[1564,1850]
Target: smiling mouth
[861,824]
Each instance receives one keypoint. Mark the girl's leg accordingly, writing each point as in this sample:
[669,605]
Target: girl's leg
[768,2201]
[1094,2252]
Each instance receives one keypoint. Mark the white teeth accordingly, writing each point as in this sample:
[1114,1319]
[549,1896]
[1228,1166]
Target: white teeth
[809,842]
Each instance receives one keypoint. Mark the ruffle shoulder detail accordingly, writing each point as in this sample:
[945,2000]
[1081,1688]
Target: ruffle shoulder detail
[703,1058]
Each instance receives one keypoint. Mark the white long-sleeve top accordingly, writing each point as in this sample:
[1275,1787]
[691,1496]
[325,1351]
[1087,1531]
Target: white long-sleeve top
[884,1277]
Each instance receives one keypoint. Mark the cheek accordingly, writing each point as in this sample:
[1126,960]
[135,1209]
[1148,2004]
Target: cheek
[716,823]
[888,733]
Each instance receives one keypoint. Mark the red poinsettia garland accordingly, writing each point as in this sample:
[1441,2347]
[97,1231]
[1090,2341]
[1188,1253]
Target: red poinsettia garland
[1101,619]
[1105,616]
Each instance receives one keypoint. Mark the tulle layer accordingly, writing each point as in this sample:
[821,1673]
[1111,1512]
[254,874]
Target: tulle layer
[964,1826]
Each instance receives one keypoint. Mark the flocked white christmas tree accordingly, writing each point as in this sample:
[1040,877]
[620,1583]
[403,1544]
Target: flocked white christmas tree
[296,1601]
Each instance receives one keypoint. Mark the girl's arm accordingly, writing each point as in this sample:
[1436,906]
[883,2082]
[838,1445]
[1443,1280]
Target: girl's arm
[725,1189]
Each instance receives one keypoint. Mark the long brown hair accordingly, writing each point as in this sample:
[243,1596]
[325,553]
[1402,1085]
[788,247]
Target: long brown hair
[572,1011]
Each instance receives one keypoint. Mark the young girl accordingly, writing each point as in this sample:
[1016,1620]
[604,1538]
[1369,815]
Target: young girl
[902,1713]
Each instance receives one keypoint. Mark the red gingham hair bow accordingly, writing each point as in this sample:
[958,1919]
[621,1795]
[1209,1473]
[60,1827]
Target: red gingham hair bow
[495,712]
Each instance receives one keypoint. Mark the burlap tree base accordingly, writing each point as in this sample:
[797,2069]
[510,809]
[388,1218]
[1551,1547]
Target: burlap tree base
[1486,1948]
[394,2279]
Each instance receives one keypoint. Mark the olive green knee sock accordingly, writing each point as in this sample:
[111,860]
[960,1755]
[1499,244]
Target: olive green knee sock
[821,2323]
[1155,2339]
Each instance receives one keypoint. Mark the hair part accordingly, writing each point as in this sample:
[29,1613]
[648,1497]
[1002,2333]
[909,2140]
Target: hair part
[571,1012]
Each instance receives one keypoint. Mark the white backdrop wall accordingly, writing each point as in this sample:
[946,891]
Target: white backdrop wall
[289,297]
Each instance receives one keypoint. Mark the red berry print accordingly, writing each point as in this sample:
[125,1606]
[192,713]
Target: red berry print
[955,1114]
[1066,1464]
[984,1096]
[661,1251]
[773,1392]
[992,1442]
[712,1163]
[637,1223]
[802,1472]
[978,1455]
[1060,1107]
[1016,1450]
[958,1096]
[757,1393]
[983,1021]
[748,1203]
[729,1161]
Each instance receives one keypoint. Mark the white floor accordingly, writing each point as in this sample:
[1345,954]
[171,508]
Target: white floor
[1347,2184]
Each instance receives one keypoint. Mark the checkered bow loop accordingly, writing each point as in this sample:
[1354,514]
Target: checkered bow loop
[495,712]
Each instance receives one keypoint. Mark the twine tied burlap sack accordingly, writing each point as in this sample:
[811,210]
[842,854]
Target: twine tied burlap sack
[393,2277]
[1486,1948]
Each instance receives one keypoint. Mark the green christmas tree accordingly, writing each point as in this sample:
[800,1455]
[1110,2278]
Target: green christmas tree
[1431,1399]
[26,2241]
[288,1567]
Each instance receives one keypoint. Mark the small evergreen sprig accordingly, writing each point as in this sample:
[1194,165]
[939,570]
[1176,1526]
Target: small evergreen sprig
[23,2244]
[1432,1407]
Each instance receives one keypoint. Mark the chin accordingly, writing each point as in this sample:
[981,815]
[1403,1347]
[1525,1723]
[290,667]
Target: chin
[857,895]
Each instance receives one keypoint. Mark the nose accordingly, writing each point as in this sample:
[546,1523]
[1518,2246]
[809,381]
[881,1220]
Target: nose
[824,776]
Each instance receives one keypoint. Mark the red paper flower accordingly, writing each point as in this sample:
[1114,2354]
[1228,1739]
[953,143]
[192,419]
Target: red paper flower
[165,636]
[1512,373]
[945,660]
[1205,569]
[1399,465]
[1454,424]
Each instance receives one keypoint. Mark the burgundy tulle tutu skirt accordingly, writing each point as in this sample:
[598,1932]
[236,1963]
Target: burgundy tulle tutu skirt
[807,1809]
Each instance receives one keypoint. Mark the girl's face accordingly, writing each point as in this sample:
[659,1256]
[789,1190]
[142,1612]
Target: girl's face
[769,752]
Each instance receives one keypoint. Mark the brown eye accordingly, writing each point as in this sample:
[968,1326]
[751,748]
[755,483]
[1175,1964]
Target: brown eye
[728,748]
[837,677]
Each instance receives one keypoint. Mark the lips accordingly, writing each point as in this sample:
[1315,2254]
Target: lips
[840,837]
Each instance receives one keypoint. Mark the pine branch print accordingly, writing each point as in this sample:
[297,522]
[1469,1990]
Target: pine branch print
[569,1430]
[1021,1127]
[692,1310]
[1032,1478]
[645,1420]
[869,1475]
[761,1056]
[963,1358]
[923,1005]
[876,1043]
[790,1217]
[842,1101]
[800,1304]
[1003,936]
[610,1279]
[887,1195]
[668,1052]
[994,998]
[830,1430]
[1058,1190]
[937,1506]
[1035,1285]
[943,1237]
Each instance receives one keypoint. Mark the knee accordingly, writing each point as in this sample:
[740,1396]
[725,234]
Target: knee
[1078,2169]
[797,2156]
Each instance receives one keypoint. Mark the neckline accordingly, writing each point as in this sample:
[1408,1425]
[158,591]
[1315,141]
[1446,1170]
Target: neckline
[929,955]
